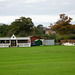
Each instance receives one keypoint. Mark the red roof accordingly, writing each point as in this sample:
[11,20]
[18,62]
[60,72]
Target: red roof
[33,38]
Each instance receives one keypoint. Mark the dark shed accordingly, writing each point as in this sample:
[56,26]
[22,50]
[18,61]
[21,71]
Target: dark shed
[38,42]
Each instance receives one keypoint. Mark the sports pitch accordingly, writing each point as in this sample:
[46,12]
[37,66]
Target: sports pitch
[39,60]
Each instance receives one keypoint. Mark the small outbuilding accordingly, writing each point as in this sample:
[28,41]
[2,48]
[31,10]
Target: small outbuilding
[38,42]
[33,38]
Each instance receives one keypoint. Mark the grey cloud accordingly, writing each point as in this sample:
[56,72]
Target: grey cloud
[36,7]
[19,7]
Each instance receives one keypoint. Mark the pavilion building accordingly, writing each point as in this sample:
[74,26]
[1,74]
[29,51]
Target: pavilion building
[14,41]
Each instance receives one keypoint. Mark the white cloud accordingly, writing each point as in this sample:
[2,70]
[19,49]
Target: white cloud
[44,18]
[2,0]
[35,18]
[34,1]
[70,12]
[36,9]
[7,19]
[66,3]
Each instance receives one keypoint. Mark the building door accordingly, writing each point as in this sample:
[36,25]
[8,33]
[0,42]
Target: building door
[13,42]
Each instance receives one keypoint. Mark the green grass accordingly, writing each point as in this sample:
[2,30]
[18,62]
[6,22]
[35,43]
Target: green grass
[43,60]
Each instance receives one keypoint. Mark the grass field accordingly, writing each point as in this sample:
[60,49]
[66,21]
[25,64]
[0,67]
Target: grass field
[43,60]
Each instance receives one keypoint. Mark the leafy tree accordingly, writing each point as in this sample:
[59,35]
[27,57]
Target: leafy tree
[38,30]
[3,30]
[63,26]
[72,36]
[73,29]
[21,26]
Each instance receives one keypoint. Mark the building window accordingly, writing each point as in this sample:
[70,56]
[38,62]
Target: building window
[7,41]
[22,41]
[2,41]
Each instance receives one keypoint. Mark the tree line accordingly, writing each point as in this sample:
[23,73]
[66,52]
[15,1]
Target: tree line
[25,27]
[21,27]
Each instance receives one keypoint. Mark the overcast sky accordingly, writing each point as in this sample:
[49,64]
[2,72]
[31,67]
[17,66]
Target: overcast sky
[41,11]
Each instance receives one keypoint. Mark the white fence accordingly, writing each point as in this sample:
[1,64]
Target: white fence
[4,45]
[24,44]
[19,44]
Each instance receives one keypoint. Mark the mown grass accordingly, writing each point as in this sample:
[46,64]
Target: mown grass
[41,60]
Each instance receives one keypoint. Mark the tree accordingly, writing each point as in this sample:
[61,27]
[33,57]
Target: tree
[21,26]
[63,26]
[3,30]
[73,29]
[38,30]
